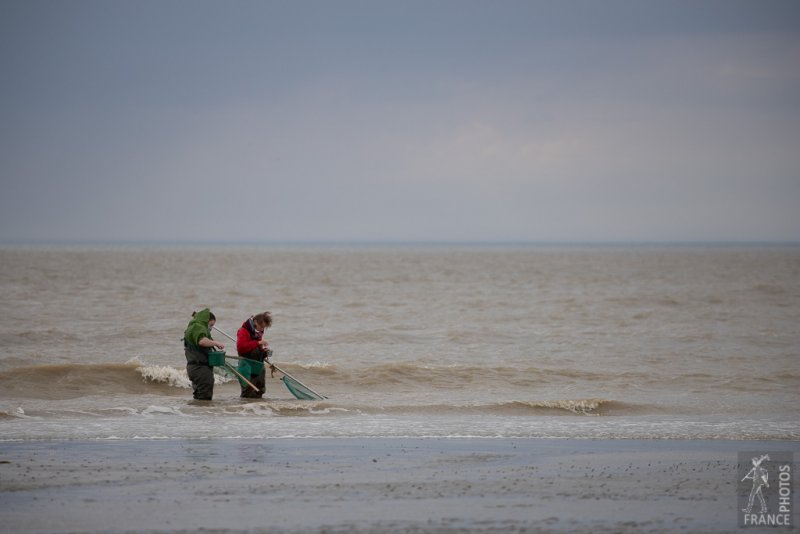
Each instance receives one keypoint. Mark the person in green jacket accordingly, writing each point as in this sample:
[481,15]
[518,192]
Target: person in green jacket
[197,343]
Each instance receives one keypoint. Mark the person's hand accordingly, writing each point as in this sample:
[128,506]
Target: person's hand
[219,345]
[264,344]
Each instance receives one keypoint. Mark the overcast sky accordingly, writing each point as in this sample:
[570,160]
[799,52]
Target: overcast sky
[400,120]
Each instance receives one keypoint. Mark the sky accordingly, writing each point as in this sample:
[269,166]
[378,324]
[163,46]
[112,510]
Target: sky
[396,121]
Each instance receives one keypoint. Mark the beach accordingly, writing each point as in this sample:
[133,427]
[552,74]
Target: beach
[372,485]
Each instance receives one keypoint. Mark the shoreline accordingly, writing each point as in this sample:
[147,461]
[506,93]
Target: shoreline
[373,485]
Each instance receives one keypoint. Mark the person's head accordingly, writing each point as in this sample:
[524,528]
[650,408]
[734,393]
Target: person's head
[262,321]
[212,319]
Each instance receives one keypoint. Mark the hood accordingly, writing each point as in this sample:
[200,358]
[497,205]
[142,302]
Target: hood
[198,327]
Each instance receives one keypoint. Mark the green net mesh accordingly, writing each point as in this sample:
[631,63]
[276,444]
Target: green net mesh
[299,390]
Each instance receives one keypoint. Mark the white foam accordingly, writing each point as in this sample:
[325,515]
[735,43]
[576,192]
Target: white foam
[314,365]
[162,410]
[579,406]
[175,377]
[19,412]
[128,411]
[222,376]
[254,408]
[166,375]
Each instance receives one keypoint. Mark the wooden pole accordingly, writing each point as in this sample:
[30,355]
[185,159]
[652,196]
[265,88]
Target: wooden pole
[240,375]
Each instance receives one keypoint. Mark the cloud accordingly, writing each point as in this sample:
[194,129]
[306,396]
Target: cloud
[367,125]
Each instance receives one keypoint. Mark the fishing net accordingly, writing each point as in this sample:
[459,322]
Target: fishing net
[250,367]
[299,390]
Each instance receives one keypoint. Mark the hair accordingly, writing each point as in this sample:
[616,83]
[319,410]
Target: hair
[263,319]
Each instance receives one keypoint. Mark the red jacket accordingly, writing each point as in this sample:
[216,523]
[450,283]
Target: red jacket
[247,338]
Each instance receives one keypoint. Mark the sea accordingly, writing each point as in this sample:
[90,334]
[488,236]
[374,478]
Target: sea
[639,341]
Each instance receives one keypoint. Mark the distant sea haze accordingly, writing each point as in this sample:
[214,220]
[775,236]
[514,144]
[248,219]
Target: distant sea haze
[694,341]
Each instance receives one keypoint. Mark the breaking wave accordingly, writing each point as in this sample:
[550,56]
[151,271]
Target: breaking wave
[64,381]
[133,379]
[70,381]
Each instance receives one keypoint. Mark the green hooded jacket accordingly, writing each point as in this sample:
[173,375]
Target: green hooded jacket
[198,328]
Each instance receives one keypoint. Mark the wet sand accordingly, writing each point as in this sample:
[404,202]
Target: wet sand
[372,485]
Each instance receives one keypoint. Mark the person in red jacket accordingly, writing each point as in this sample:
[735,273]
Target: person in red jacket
[250,344]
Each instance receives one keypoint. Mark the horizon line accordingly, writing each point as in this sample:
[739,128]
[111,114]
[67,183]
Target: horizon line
[389,242]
